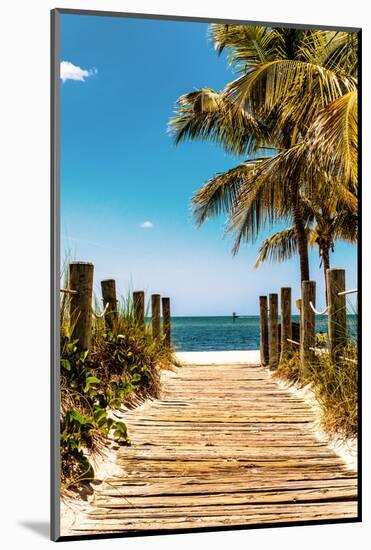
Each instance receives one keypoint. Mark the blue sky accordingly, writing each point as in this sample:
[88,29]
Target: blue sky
[120,169]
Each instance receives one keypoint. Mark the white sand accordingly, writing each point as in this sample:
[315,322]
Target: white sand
[251,357]
[345,449]
[74,510]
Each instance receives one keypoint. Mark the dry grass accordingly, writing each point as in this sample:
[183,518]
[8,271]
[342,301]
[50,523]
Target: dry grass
[335,386]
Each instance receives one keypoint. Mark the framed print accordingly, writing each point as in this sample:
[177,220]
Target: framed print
[201,382]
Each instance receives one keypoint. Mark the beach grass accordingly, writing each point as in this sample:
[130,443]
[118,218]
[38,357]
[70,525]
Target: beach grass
[334,385]
[120,370]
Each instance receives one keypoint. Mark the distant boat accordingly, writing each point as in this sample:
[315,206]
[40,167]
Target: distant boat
[234,316]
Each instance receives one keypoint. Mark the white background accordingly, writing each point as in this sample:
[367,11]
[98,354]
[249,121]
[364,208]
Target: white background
[24,273]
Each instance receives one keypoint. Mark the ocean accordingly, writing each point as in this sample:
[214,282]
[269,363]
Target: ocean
[221,333]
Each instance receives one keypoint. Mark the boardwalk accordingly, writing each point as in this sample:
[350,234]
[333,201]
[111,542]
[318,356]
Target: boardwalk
[225,445]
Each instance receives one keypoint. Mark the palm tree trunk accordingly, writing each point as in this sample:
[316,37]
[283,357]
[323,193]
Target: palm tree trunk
[301,236]
[325,255]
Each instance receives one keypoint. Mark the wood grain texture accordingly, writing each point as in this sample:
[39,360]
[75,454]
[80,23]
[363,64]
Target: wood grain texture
[224,446]
[156,315]
[264,331]
[138,304]
[308,321]
[273,331]
[81,280]
[109,297]
[166,320]
[286,323]
[337,311]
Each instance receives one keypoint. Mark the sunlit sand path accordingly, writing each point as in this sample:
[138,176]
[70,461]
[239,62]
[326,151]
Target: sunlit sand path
[224,445]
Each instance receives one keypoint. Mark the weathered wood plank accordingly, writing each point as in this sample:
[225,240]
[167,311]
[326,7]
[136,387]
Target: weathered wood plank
[209,517]
[223,446]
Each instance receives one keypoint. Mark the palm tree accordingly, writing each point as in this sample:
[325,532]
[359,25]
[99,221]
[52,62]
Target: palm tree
[289,79]
[323,228]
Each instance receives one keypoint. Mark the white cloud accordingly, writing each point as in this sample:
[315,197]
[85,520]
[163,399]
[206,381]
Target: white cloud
[146,225]
[69,71]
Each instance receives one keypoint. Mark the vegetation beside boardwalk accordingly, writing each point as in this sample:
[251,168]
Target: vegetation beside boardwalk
[334,384]
[121,368]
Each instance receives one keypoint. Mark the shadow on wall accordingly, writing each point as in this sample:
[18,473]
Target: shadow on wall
[41,528]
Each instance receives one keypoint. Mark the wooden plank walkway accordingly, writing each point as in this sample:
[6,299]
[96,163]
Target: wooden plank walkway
[225,445]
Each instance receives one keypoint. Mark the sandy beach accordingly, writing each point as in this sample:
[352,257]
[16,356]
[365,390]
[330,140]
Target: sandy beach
[251,357]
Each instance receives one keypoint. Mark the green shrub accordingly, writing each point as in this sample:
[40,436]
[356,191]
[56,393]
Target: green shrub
[121,368]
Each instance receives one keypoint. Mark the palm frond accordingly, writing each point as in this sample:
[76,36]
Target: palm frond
[220,193]
[345,226]
[265,197]
[208,115]
[247,45]
[334,50]
[333,138]
[278,247]
[294,89]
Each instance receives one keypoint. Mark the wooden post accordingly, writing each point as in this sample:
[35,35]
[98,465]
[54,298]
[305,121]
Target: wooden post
[308,323]
[156,315]
[286,323]
[81,280]
[138,299]
[298,305]
[337,320]
[166,321]
[264,342]
[109,297]
[273,330]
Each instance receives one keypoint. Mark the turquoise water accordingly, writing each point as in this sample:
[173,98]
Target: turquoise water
[221,333]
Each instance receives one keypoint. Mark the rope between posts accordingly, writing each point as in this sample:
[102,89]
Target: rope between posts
[298,344]
[293,342]
[316,311]
[348,359]
[100,315]
[344,292]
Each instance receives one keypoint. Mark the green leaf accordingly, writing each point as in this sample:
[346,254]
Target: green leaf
[99,413]
[75,415]
[66,364]
[89,381]
[92,380]
[121,428]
